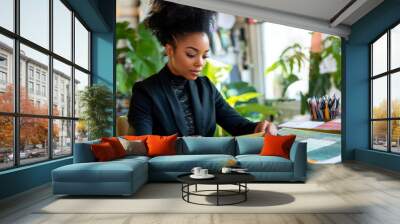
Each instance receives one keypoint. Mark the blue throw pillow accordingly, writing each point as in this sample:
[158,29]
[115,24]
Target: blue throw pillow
[206,145]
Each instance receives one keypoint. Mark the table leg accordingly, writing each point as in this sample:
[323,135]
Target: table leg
[196,188]
[217,194]
[245,193]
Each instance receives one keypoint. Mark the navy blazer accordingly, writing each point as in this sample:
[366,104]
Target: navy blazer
[154,108]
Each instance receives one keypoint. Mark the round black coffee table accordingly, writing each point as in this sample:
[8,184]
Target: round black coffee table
[238,179]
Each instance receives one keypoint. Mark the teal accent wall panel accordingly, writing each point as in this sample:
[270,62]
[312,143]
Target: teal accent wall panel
[380,159]
[356,74]
[24,178]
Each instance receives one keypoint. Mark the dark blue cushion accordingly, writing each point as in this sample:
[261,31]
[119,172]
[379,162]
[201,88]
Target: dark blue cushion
[206,145]
[83,153]
[249,145]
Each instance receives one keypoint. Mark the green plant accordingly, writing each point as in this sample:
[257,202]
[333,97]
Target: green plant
[141,55]
[96,102]
[290,58]
[239,95]
[318,83]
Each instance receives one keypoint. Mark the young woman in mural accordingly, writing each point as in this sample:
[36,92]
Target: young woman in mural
[177,99]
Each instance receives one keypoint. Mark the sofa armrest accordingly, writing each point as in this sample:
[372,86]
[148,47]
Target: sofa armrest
[298,155]
[83,152]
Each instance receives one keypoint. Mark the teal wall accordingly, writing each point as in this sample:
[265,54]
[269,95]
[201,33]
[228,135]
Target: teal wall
[99,16]
[356,86]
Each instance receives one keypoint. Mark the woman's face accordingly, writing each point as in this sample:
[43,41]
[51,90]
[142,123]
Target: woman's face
[188,56]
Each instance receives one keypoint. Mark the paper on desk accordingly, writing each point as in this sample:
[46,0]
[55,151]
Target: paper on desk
[301,124]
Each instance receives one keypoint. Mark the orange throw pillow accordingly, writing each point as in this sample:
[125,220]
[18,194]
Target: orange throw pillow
[116,145]
[277,145]
[161,145]
[103,151]
[135,137]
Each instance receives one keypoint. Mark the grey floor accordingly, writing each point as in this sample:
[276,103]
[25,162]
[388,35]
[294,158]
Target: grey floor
[379,189]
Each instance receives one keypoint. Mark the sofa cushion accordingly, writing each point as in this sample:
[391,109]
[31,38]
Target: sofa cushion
[249,145]
[185,163]
[257,163]
[83,152]
[161,145]
[134,147]
[111,171]
[206,145]
[103,152]
[277,145]
[116,145]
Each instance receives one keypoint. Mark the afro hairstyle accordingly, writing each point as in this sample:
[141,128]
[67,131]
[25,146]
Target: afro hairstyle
[169,20]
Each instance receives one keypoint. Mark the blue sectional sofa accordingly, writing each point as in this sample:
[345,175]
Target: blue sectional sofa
[125,176]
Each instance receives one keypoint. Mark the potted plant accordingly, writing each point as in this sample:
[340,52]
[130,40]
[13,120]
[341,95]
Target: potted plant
[96,102]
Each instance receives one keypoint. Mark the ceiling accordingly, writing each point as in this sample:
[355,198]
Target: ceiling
[327,16]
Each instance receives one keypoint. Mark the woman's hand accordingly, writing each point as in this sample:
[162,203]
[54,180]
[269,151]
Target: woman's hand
[267,127]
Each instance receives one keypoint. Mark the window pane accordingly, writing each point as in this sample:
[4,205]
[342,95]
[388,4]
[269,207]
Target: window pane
[62,138]
[34,72]
[6,74]
[33,139]
[62,29]
[35,21]
[81,81]
[379,135]
[81,131]
[379,97]
[395,47]
[81,45]
[395,136]
[7,14]
[62,89]
[6,142]
[395,94]
[379,55]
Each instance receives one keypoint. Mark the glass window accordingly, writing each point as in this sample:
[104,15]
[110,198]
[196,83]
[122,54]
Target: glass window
[30,72]
[395,95]
[34,142]
[37,89]
[395,47]
[7,14]
[385,139]
[35,21]
[81,131]
[81,45]
[62,29]
[30,87]
[379,135]
[395,136]
[379,98]
[6,73]
[3,61]
[62,138]
[62,74]
[81,81]
[40,62]
[34,80]
[43,90]
[6,142]
[379,56]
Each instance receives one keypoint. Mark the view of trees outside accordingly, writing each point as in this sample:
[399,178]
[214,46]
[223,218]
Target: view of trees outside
[33,131]
[34,118]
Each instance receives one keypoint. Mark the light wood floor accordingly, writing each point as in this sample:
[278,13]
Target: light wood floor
[377,188]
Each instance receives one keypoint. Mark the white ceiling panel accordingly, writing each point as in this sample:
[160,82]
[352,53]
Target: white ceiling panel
[327,16]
